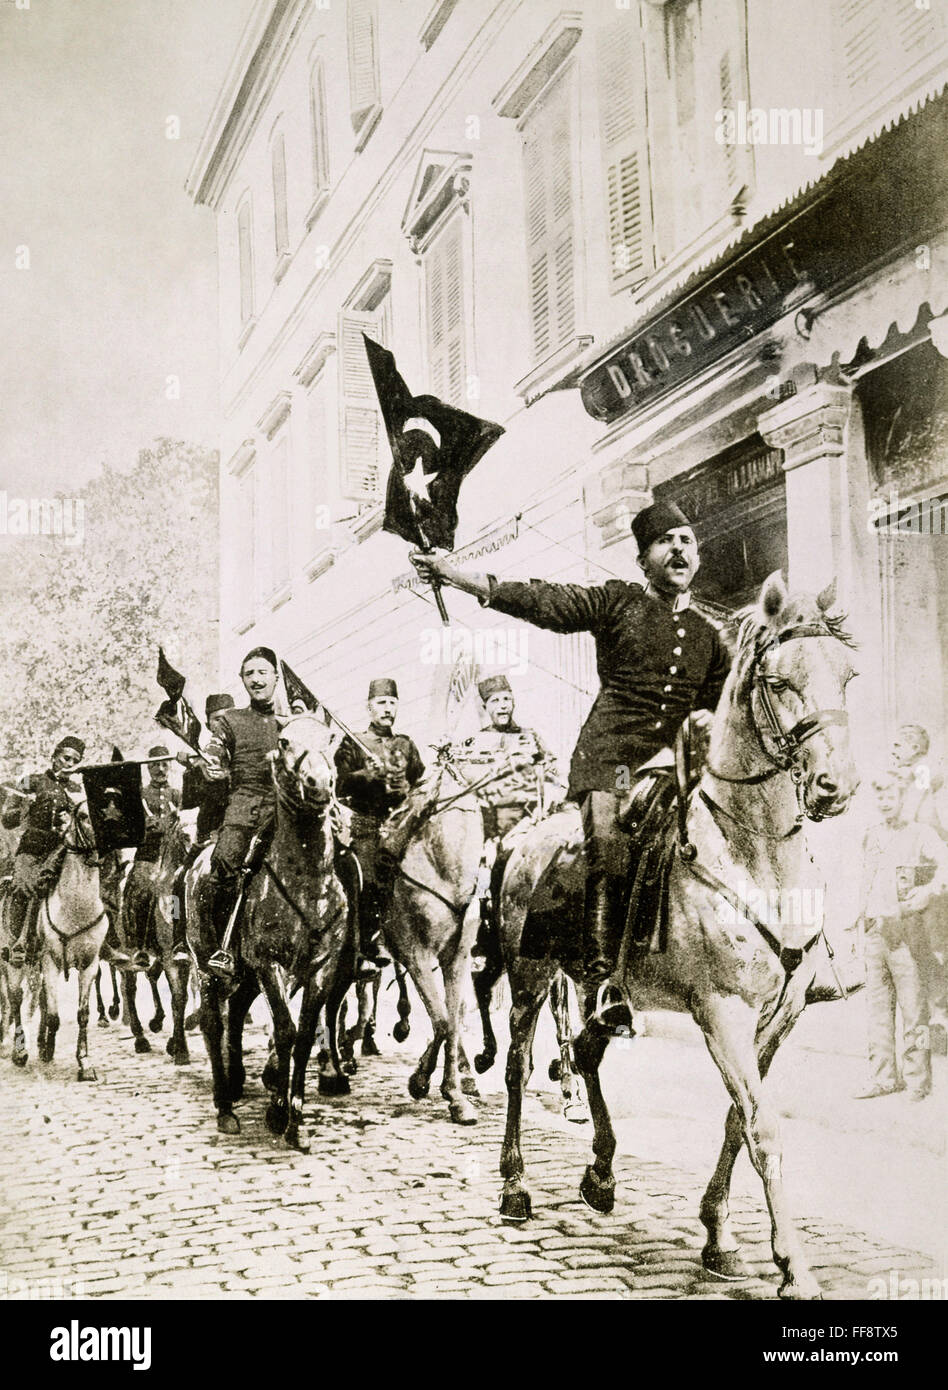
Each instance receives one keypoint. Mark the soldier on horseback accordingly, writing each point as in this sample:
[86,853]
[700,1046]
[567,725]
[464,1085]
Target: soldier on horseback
[521,793]
[161,802]
[239,749]
[658,660]
[373,777]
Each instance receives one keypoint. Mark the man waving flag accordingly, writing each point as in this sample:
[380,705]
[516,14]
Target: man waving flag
[434,447]
[175,713]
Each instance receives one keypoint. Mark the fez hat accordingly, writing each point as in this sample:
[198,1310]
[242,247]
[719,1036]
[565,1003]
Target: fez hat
[265,653]
[490,686]
[159,751]
[215,703]
[654,521]
[70,741]
[382,685]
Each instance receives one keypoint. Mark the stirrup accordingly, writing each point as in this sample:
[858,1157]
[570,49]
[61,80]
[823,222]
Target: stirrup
[611,1011]
[222,964]
[181,956]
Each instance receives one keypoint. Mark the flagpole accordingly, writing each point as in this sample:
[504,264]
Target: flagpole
[126,762]
[423,544]
[350,733]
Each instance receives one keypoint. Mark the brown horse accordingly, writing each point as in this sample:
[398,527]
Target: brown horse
[297,932]
[71,927]
[779,754]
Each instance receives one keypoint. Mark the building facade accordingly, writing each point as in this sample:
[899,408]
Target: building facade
[687,248]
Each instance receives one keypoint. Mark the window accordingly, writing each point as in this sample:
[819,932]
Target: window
[364,90]
[318,532]
[245,549]
[445,315]
[245,258]
[622,123]
[280,548]
[877,39]
[317,97]
[362,430]
[548,188]
[281,227]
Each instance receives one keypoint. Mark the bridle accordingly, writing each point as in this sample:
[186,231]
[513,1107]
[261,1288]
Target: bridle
[85,846]
[786,755]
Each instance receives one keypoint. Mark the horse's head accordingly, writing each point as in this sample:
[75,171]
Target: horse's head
[76,828]
[303,761]
[792,671]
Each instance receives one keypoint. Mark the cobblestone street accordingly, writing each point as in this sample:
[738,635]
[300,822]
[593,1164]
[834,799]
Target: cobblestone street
[125,1188]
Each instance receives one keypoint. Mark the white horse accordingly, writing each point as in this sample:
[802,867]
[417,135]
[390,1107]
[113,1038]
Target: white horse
[779,754]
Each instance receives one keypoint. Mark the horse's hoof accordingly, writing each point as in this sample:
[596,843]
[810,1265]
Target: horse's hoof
[370,1047]
[332,1084]
[45,1055]
[401,1030]
[598,1193]
[181,1059]
[298,1138]
[103,1022]
[142,1045]
[724,1264]
[228,1123]
[114,1012]
[555,1070]
[484,1061]
[462,1113]
[800,1290]
[157,1023]
[575,1111]
[87,1074]
[469,1085]
[516,1206]
[276,1117]
[350,1066]
[20,1059]
[418,1088]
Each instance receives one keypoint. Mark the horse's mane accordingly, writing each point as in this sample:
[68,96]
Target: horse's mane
[752,627]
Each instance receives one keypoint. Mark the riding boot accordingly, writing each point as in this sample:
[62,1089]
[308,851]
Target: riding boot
[113,952]
[19,902]
[223,963]
[605,1002]
[371,957]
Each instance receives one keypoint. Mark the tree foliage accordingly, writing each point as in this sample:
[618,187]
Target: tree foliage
[81,623]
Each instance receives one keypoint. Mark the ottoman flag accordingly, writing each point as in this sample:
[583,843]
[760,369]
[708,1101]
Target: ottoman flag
[297,690]
[434,447]
[175,713]
[114,798]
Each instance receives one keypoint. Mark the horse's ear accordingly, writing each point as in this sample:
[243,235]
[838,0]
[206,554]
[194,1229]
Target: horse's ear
[827,597]
[773,596]
[282,720]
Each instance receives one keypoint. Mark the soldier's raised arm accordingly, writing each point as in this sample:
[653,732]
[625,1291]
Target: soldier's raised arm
[557,607]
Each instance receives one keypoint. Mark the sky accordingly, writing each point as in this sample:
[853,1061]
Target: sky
[121,288]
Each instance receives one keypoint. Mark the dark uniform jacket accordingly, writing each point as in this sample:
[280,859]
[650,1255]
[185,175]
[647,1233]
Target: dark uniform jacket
[239,750]
[39,816]
[362,789]
[655,666]
[159,802]
[208,794]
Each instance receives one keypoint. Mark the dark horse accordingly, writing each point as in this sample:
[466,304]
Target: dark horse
[297,932]
[779,754]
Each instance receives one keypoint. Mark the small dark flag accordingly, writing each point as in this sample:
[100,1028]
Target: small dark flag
[117,755]
[170,680]
[434,447]
[114,798]
[298,691]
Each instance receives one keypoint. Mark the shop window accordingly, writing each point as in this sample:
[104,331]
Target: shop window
[622,124]
[549,194]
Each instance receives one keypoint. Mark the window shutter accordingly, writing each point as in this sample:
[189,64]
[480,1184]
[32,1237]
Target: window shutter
[363,60]
[548,191]
[622,122]
[361,422]
[728,103]
[320,135]
[918,31]
[280,220]
[861,31]
[444,267]
[245,255]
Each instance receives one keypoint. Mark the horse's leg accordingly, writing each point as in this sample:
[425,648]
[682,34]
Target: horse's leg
[114,1007]
[598,1187]
[729,1026]
[237,1007]
[721,1255]
[403,1026]
[422,965]
[484,982]
[86,1071]
[19,1054]
[129,993]
[158,1018]
[177,1047]
[574,1107]
[528,985]
[462,1111]
[333,1080]
[212,1026]
[370,991]
[99,1001]
[49,1009]
[314,993]
[284,1036]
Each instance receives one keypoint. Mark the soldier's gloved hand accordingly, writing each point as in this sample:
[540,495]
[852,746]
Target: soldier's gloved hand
[184,759]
